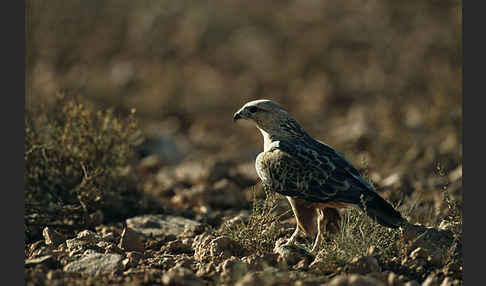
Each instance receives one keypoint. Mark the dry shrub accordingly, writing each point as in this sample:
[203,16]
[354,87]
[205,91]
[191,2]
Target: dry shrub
[259,234]
[357,235]
[74,159]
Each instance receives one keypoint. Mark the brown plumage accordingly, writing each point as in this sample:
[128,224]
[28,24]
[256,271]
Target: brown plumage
[315,178]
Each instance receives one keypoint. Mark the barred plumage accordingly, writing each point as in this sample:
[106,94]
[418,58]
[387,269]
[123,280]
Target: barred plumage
[315,178]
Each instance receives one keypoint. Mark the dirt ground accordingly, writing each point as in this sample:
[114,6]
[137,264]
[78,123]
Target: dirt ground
[379,81]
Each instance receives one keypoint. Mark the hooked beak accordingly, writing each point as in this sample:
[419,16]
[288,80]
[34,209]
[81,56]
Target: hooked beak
[236,117]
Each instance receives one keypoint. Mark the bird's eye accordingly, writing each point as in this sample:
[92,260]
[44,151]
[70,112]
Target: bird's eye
[252,109]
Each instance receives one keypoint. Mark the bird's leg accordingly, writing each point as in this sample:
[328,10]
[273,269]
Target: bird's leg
[320,225]
[293,237]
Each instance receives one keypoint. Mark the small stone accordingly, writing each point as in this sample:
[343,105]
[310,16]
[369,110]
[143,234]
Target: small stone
[36,245]
[418,253]
[364,265]
[131,241]
[95,264]
[181,276]
[292,254]
[354,280]
[431,280]
[233,269]
[83,239]
[42,251]
[446,282]
[114,249]
[392,279]
[163,225]
[89,235]
[52,237]
[185,261]
[225,247]
[54,274]
[126,263]
[46,260]
[250,279]
[178,247]
[89,251]
[109,236]
[412,283]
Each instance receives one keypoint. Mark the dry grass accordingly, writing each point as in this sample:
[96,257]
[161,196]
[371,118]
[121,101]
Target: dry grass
[259,234]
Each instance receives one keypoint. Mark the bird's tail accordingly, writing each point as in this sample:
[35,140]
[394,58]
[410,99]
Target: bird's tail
[381,211]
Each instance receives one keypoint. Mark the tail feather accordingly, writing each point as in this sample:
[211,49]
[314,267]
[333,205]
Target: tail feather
[381,211]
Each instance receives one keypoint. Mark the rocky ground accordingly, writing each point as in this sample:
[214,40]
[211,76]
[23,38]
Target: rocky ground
[186,243]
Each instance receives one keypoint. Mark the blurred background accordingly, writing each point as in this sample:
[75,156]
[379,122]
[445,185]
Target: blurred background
[381,81]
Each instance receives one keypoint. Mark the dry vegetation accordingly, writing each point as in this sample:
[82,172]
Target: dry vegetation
[380,81]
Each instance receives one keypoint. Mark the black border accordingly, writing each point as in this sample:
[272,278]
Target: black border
[13,46]
[13,95]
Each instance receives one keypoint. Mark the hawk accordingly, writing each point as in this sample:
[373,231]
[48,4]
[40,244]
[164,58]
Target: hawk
[315,179]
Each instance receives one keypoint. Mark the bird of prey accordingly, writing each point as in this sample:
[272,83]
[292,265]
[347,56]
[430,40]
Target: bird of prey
[316,180]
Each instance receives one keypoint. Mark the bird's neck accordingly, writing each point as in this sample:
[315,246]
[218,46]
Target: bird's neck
[267,139]
[283,130]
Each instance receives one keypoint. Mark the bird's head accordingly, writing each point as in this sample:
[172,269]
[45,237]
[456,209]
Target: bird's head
[269,117]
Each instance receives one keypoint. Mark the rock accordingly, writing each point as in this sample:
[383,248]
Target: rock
[392,279]
[446,282]
[135,256]
[109,236]
[431,280]
[41,250]
[411,283]
[233,269]
[52,237]
[250,279]
[185,261]
[432,243]
[393,179]
[54,274]
[320,265]
[180,276]
[292,254]
[364,265]
[201,247]
[456,174]
[95,264]
[132,259]
[40,244]
[178,247]
[89,235]
[418,253]
[131,241]
[163,225]
[354,280]
[224,247]
[114,249]
[206,270]
[83,239]
[260,262]
[311,282]
[47,260]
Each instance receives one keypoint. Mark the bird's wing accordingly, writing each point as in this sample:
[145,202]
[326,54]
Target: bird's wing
[299,170]
[341,162]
